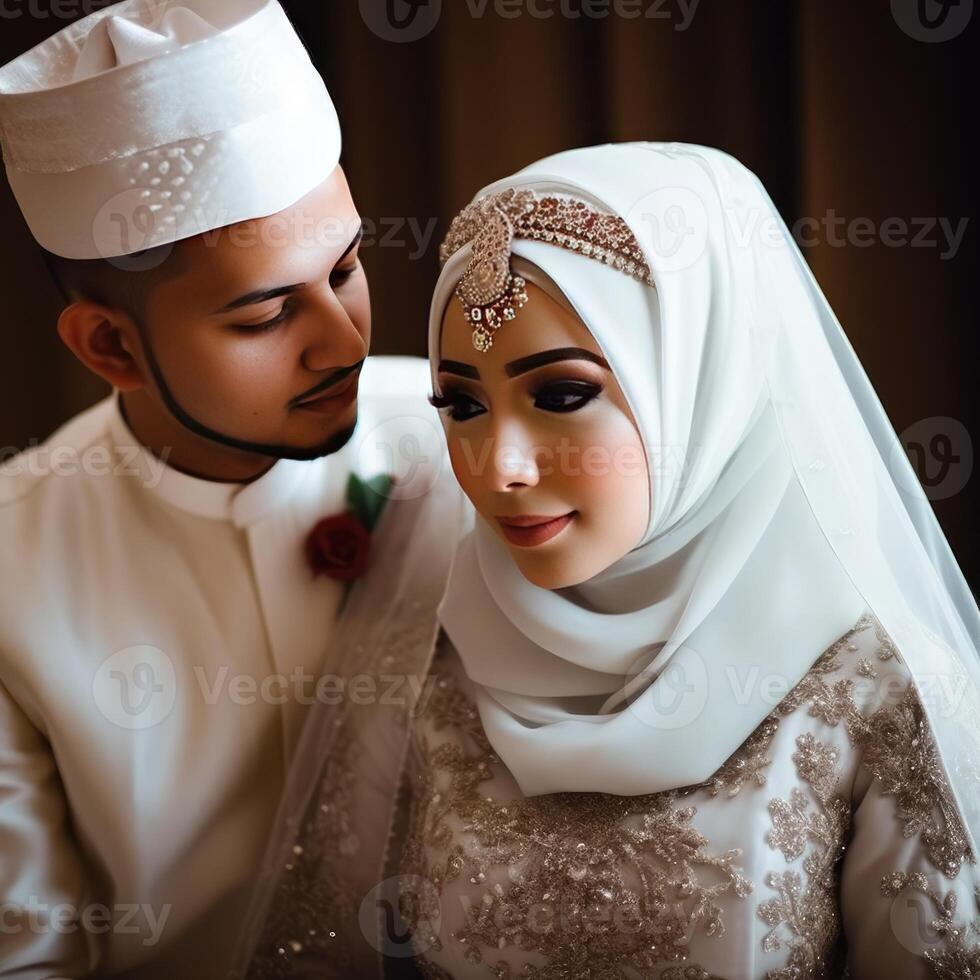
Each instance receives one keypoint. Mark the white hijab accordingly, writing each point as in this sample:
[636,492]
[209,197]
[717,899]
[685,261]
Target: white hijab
[731,574]
[648,676]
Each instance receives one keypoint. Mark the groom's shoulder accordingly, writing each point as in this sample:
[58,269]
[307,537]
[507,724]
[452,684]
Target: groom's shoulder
[54,466]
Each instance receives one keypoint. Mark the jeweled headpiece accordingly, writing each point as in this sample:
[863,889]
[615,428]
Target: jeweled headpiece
[489,290]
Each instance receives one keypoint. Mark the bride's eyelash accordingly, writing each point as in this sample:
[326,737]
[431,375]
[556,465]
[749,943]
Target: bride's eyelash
[440,401]
[456,402]
[580,393]
[558,397]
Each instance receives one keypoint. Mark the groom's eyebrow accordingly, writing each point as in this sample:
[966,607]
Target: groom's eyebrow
[262,295]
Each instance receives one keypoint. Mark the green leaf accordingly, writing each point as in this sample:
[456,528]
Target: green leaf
[367,498]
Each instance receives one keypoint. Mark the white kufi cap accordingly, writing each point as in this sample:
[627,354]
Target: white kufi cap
[153,121]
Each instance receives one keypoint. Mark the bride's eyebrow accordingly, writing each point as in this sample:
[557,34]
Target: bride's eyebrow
[524,364]
[458,367]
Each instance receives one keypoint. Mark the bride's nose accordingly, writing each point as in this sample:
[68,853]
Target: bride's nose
[515,462]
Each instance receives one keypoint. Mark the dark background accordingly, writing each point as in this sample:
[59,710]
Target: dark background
[837,107]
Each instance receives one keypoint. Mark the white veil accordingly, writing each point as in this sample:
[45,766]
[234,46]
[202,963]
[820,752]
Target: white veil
[849,465]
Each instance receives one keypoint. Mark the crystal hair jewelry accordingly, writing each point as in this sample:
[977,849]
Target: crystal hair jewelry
[488,290]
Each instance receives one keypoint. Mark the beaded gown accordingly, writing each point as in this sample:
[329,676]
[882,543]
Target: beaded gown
[829,844]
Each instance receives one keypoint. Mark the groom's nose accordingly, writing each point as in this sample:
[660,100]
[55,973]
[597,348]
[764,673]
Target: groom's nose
[331,337]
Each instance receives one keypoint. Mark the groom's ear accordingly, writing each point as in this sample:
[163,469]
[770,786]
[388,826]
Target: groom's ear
[105,340]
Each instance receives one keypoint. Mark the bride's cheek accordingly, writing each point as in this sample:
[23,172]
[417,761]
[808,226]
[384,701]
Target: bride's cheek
[613,484]
[468,456]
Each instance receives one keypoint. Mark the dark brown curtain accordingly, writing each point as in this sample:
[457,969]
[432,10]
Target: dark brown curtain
[842,110]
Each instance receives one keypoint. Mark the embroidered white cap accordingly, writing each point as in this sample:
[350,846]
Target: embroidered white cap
[152,121]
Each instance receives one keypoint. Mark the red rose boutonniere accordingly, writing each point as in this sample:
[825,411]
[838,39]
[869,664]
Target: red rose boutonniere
[339,546]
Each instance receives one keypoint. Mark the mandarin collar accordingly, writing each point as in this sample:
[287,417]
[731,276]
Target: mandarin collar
[240,503]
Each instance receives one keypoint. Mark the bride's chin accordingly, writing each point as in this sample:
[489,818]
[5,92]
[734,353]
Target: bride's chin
[555,571]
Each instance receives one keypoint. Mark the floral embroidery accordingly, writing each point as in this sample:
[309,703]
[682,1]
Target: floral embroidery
[569,860]
[654,833]
[809,912]
[901,752]
[898,748]
[955,959]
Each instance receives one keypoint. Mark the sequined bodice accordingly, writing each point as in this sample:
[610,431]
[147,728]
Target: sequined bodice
[738,876]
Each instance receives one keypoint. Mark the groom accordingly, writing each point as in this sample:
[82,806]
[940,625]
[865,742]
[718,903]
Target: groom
[171,579]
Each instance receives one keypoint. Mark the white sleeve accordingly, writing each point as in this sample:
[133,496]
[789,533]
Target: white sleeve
[909,879]
[42,881]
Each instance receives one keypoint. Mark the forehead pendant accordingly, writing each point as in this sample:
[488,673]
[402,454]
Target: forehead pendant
[490,293]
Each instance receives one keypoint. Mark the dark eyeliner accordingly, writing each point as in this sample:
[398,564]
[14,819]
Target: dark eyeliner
[582,391]
[454,400]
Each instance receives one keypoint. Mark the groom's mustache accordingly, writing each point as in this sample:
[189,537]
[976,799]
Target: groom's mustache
[328,382]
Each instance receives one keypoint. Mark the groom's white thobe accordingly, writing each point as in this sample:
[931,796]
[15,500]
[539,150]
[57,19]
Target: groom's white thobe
[160,636]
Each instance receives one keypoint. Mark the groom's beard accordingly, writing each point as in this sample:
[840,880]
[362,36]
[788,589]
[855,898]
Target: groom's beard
[330,445]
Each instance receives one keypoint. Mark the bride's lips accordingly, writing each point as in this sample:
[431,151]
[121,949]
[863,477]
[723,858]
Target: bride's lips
[530,530]
[335,397]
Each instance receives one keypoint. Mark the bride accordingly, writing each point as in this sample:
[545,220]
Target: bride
[705,698]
